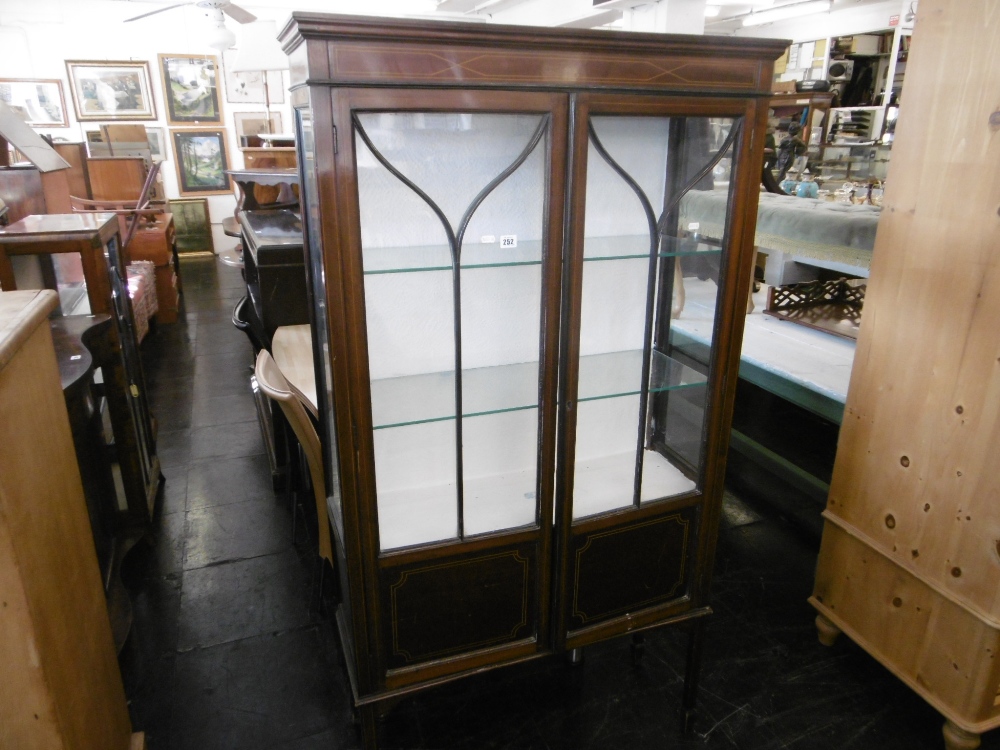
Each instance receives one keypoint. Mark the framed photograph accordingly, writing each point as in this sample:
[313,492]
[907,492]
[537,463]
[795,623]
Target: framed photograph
[157,138]
[192,225]
[189,89]
[202,160]
[41,98]
[110,90]
[248,87]
[255,123]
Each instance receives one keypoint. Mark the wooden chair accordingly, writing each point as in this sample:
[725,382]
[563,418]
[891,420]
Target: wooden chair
[273,384]
[131,213]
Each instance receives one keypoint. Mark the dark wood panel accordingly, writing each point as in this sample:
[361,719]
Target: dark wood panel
[77,175]
[335,29]
[472,65]
[21,190]
[116,178]
[630,567]
[459,605]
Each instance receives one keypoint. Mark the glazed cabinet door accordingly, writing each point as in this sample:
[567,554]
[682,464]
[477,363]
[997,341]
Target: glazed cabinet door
[451,258]
[649,316]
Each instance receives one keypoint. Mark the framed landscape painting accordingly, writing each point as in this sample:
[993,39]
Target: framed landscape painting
[41,98]
[190,89]
[192,225]
[110,90]
[202,160]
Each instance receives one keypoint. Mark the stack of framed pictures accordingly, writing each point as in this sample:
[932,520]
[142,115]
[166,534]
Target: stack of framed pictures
[192,100]
[121,90]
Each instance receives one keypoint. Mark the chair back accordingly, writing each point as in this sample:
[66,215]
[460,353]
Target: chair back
[130,213]
[276,387]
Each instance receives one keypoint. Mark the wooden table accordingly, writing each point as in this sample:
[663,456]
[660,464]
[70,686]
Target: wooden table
[292,350]
[282,179]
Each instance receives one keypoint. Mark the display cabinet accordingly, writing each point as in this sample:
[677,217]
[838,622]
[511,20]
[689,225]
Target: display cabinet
[79,256]
[518,461]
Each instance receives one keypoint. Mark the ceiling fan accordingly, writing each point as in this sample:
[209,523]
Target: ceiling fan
[222,39]
[219,6]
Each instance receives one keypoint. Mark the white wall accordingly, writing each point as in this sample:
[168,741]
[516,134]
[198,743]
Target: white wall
[38,36]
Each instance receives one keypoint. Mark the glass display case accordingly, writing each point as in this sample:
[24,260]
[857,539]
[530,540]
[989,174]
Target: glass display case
[519,460]
[79,256]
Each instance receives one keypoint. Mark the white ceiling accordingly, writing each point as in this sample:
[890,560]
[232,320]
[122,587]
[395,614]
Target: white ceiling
[729,18]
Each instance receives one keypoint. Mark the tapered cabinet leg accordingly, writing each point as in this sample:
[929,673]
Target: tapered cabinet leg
[956,738]
[368,719]
[826,630]
[695,642]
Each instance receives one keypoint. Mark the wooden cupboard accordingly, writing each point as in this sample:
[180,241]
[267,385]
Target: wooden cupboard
[910,558]
[61,686]
[520,460]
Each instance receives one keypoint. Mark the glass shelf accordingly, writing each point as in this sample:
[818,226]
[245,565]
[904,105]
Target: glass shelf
[418,258]
[637,246]
[619,373]
[416,399]
[438,257]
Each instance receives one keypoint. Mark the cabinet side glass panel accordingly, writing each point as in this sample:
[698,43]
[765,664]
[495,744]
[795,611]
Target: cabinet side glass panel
[452,211]
[650,283]
[317,274]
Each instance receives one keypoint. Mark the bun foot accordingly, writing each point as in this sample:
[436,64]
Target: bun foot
[826,631]
[956,738]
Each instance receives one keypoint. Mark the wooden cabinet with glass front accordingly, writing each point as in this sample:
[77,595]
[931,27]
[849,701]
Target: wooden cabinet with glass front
[520,461]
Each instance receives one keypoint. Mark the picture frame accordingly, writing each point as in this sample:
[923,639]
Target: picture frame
[192,225]
[202,157]
[41,98]
[255,123]
[157,138]
[111,90]
[248,87]
[190,89]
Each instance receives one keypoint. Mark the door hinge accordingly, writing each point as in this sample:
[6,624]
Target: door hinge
[336,147]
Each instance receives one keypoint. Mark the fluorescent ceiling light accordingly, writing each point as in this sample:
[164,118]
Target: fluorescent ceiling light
[711,11]
[787,11]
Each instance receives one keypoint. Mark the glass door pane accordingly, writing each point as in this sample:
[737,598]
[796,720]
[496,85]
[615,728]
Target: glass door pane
[648,305]
[452,207]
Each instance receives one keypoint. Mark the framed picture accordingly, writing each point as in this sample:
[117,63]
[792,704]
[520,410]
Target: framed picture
[157,138]
[110,90]
[192,225]
[202,160]
[189,89]
[41,98]
[255,123]
[248,87]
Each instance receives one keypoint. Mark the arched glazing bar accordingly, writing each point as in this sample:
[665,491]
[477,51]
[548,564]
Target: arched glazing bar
[657,229]
[455,239]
